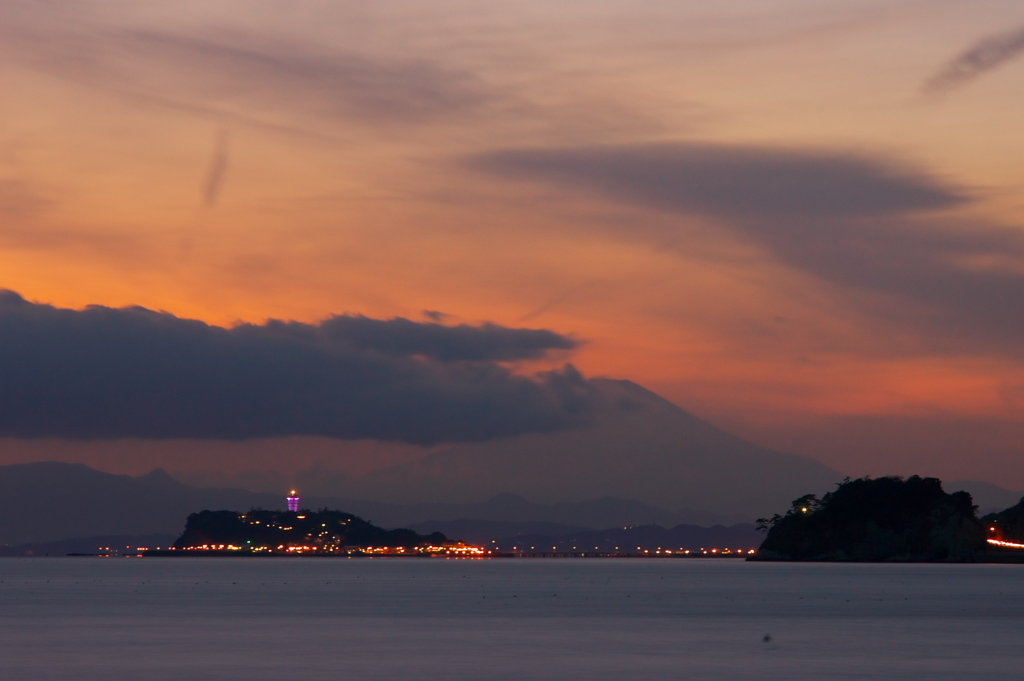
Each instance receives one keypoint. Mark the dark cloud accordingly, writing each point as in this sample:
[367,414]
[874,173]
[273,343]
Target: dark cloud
[976,61]
[488,342]
[435,315]
[864,223]
[739,182]
[131,372]
[954,271]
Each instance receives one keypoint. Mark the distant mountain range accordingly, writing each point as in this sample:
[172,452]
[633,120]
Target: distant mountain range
[52,502]
[989,498]
[43,502]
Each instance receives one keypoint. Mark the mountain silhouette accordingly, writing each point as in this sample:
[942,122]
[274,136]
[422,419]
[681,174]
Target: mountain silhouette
[640,447]
[643,460]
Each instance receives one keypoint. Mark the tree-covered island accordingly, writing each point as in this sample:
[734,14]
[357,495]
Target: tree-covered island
[882,519]
[324,532]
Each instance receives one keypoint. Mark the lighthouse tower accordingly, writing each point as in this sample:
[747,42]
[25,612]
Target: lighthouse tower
[293,501]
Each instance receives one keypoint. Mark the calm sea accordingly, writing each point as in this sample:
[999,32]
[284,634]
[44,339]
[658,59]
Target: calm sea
[309,619]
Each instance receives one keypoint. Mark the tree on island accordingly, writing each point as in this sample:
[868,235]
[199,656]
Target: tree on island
[881,519]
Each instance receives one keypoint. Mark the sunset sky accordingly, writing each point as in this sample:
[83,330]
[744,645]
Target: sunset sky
[800,220]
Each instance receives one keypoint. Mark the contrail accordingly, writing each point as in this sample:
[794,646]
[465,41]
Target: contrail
[217,170]
[984,56]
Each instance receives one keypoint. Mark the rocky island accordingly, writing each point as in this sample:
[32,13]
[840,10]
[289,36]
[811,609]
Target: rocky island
[324,532]
[882,519]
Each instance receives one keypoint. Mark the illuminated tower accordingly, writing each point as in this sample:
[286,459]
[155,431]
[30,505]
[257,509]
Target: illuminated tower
[293,501]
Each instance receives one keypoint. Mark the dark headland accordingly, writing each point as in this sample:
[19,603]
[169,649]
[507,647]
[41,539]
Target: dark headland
[888,519]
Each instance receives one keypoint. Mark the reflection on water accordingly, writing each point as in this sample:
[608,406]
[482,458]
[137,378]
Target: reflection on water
[150,618]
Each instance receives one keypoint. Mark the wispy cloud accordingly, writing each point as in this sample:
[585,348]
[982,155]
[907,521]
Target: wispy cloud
[982,57]
[275,73]
[866,224]
[227,72]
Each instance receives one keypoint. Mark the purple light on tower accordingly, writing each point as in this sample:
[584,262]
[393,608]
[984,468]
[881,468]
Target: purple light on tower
[293,501]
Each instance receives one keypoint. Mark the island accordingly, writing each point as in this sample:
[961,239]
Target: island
[302,532]
[883,519]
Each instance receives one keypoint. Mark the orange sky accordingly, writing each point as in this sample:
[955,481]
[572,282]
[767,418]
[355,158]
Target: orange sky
[233,160]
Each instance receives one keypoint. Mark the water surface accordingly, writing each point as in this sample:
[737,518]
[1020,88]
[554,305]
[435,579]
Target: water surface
[227,618]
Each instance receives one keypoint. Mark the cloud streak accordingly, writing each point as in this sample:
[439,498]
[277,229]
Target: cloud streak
[279,74]
[982,57]
[863,223]
[232,72]
[104,373]
[733,181]
[217,170]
